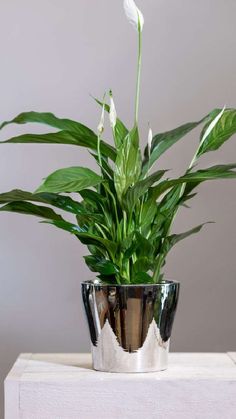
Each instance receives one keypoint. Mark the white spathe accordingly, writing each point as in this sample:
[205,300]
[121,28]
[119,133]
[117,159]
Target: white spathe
[150,136]
[134,15]
[100,127]
[112,113]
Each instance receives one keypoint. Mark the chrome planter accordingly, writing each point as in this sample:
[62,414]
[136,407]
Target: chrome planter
[130,325]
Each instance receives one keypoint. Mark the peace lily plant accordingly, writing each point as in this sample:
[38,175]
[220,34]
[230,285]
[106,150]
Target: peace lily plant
[124,212]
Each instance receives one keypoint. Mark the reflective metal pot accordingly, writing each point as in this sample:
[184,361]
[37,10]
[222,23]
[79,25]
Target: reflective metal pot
[130,325]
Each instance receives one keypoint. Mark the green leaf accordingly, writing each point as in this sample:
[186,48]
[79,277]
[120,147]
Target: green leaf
[223,171]
[162,142]
[64,225]
[103,266]
[141,187]
[221,132]
[18,195]
[143,264]
[86,218]
[30,209]
[143,246]
[142,278]
[128,164]
[92,197]
[148,213]
[106,168]
[71,179]
[176,238]
[92,239]
[184,198]
[50,119]
[120,132]
[84,237]
[65,137]
[59,201]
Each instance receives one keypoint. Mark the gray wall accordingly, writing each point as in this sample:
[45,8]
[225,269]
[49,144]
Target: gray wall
[54,53]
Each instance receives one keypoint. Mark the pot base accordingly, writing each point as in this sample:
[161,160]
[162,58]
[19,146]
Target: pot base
[109,356]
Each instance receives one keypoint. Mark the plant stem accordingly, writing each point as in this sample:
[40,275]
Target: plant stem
[99,151]
[116,213]
[157,270]
[124,224]
[138,73]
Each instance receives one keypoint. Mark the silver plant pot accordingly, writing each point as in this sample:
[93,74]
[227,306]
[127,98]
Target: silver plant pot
[130,325]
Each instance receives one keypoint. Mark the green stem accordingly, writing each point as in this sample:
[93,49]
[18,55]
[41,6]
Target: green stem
[157,270]
[124,224]
[99,151]
[140,212]
[138,73]
[101,230]
[116,212]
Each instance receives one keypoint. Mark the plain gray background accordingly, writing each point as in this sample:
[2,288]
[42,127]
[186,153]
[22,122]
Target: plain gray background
[54,53]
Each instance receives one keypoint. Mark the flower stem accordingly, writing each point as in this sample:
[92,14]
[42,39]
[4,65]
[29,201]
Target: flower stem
[138,73]
[99,151]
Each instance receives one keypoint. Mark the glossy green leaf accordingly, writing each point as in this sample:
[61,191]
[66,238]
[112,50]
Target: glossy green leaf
[92,239]
[120,133]
[28,208]
[71,179]
[59,201]
[92,197]
[85,237]
[141,187]
[143,264]
[19,195]
[176,238]
[103,266]
[64,137]
[107,171]
[148,213]
[128,164]
[139,245]
[223,130]
[50,119]
[162,142]
[141,278]
[64,225]
[215,172]
[88,218]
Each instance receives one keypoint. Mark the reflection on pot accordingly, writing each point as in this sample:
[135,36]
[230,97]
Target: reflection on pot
[130,325]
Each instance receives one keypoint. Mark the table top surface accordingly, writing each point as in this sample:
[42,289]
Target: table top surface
[77,367]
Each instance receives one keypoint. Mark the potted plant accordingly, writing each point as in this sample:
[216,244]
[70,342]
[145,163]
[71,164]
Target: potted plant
[124,215]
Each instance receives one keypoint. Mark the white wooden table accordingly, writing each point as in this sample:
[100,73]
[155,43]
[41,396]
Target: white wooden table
[64,386]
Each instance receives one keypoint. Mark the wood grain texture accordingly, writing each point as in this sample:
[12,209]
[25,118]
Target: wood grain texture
[64,386]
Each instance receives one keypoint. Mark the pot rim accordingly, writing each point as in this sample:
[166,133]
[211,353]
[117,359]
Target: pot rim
[100,284]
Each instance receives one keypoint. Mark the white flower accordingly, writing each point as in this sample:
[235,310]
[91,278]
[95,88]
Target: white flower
[150,136]
[112,113]
[100,127]
[133,14]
